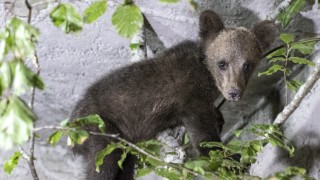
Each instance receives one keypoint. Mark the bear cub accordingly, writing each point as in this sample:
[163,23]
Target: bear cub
[177,87]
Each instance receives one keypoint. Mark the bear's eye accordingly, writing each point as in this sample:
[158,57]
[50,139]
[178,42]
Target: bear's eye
[247,67]
[222,65]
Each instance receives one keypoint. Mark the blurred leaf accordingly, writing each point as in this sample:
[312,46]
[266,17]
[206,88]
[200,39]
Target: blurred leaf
[65,17]
[193,4]
[55,137]
[127,19]
[169,1]
[3,47]
[143,172]
[273,69]
[101,154]
[94,11]
[286,38]
[286,14]
[279,52]
[11,163]
[6,75]
[134,46]
[24,79]
[21,38]
[304,48]
[16,123]
[294,85]
[237,133]
[301,61]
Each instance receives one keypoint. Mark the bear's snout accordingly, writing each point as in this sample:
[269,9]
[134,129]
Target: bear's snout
[234,94]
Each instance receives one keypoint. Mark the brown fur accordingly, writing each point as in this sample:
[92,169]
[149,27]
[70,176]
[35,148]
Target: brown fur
[177,87]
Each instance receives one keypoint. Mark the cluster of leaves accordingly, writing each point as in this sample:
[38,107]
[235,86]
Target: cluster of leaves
[286,54]
[17,43]
[285,15]
[127,19]
[220,162]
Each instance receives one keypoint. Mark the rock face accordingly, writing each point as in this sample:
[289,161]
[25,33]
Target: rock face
[70,63]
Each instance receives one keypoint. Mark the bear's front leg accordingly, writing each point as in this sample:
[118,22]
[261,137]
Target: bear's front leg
[203,123]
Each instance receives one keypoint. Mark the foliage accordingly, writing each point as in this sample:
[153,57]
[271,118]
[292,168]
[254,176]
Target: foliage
[286,14]
[18,41]
[220,162]
[127,19]
[12,162]
[280,58]
[290,173]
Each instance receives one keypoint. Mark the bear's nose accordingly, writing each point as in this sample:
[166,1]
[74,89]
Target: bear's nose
[234,94]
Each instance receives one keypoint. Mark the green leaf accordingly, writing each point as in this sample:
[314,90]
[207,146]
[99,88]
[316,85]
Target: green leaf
[78,136]
[301,61]
[304,48]
[127,19]
[88,120]
[94,11]
[186,139]
[286,38]
[20,39]
[25,79]
[3,47]
[273,69]
[11,163]
[6,74]
[294,85]
[169,1]
[153,162]
[143,172]
[198,165]
[193,4]
[134,46]
[65,17]
[168,173]
[123,157]
[285,14]
[276,59]
[237,133]
[279,52]
[101,154]
[16,123]
[55,137]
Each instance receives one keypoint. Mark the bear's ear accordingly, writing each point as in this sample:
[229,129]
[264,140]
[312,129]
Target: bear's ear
[265,31]
[210,24]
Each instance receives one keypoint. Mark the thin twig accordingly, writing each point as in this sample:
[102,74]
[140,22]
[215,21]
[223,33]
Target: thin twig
[32,137]
[117,137]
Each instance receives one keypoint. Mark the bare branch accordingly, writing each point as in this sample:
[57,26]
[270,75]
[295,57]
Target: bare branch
[32,137]
[302,92]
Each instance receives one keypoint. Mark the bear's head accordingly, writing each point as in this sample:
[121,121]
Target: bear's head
[232,53]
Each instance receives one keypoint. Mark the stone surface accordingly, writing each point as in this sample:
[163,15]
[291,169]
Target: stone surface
[69,63]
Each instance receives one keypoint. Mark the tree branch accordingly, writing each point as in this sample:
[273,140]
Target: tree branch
[117,137]
[302,92]
[32,137]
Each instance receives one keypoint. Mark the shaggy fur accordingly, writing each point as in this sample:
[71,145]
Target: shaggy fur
[177,87]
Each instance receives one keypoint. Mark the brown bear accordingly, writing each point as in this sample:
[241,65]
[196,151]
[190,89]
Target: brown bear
[177,87]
